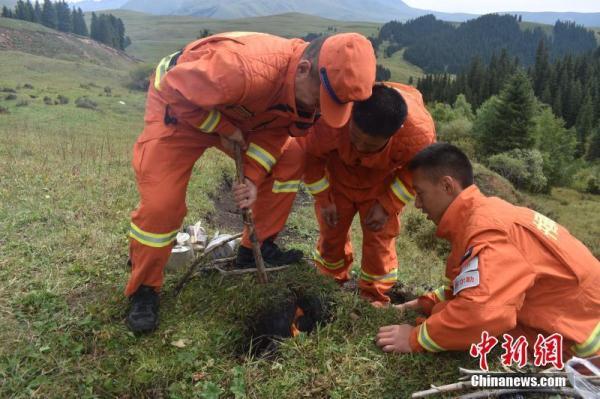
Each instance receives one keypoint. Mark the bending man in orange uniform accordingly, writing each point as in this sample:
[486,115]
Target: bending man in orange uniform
[511,270]
[361,168]
[253,89]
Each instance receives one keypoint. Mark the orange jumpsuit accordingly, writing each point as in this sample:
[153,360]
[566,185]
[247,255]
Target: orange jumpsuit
[215,85]
[511,270]
[337,173]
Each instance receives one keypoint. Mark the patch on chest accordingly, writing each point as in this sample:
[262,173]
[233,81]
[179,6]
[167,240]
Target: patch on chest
[468,276]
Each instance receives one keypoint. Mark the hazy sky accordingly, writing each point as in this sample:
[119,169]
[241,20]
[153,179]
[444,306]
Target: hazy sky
[486,6]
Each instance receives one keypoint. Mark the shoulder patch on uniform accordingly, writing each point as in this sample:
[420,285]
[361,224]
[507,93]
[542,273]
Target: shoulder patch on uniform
[468,276]
[466,255]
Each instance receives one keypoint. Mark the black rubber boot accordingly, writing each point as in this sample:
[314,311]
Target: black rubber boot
[272,255]
[143,314]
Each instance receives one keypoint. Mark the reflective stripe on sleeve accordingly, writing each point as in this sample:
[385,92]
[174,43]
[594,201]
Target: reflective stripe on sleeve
[290,186]
[318,187]
[261,156]
[211,122]
[401,191]
[425,340]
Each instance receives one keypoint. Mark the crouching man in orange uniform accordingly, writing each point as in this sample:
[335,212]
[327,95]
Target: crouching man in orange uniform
[511,270]
[361,168]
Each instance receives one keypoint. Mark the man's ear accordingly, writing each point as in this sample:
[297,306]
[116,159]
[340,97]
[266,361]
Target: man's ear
[304,67]
[449,185]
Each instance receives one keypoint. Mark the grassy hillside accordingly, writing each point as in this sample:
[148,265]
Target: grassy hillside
[36,39]
[154,36]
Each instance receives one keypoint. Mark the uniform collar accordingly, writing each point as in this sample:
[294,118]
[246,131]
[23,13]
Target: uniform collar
[453,221]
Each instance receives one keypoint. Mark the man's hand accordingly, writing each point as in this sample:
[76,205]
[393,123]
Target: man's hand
[236,138]
[395,338]
[329,213]
[244,194]
[376,218]
[410,305]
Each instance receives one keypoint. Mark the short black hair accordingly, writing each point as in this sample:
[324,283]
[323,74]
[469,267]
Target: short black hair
[382,114]
[442,159]
[312,52]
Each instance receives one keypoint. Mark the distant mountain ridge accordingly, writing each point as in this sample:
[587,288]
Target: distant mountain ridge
[346,10]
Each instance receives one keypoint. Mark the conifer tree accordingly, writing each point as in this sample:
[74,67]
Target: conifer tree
[79,25]
[63,15]
[514,113]
[37,13]
[49,17]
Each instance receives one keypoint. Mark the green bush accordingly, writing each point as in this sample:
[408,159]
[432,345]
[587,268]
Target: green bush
[22,103]
[139,78]
[62,99]
[4,110]
[85,102]
[587,180]
[48,101]
[10,97]
[523,168]
[593,185]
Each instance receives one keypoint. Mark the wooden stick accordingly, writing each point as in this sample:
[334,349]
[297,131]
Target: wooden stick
[249,221]
[183,281]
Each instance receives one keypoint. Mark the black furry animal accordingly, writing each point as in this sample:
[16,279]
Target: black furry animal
[271,325]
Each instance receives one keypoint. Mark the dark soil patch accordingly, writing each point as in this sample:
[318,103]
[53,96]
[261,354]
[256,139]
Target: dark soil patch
[228,218]
[400,294]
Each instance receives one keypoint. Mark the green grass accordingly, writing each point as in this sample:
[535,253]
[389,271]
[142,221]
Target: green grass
[401,69]
[578,212]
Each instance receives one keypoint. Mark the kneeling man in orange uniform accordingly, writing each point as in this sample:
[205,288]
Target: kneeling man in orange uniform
[511,270]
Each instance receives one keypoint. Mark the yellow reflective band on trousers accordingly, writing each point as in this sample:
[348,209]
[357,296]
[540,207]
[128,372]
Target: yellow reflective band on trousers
[290,186]
[425,340]
[152,239]
[329,265]
[162,69]
[261,156]
[401,191]
[318,186]
[390,277]
[211,122]
[590,346]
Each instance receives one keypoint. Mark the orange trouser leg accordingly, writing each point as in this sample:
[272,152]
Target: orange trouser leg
[163,167]
[277,192]
[333,256]
[379,266]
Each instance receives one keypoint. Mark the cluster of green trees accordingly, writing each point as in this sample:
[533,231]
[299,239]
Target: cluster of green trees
[57,15]
[105,28]
[570,86]
[438,46]
[518,136]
